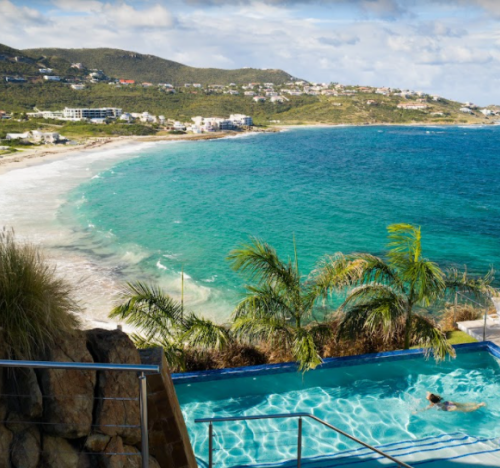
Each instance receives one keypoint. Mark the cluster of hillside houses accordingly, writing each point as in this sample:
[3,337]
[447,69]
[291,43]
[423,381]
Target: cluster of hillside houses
[36,136]
[104,114]
[199,124]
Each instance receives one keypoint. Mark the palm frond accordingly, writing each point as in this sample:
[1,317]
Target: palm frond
[305,351]
[339,271]
[426,280]
[264,300]
[367,293]
[204,334]
[333,272]
[427,335]
[261,262]
[256,329]
[149,309]
[174,354]
[372,307]
[373,269]
[478,286]
[405,242]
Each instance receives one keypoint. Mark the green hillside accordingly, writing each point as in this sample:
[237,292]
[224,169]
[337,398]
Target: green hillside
[184,105]
[131,65]
[29,65]
[362,106]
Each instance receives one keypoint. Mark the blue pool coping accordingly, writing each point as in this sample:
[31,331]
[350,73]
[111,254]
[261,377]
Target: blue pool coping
[328,363]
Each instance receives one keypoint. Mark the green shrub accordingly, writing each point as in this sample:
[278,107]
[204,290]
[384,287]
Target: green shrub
[36,307]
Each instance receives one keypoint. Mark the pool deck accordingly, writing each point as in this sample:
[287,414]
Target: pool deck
[474,328]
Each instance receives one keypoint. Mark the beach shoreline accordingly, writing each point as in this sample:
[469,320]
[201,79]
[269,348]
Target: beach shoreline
[48,153]
[34,171]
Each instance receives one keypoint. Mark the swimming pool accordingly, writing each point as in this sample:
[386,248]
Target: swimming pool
[371,397]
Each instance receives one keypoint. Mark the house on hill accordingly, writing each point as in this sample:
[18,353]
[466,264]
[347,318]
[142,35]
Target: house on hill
[412,106]
[15,79]
[127,82]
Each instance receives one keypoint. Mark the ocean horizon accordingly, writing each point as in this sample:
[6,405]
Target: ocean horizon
[149,211]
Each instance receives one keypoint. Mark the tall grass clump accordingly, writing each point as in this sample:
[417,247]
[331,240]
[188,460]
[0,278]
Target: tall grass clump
[36,307]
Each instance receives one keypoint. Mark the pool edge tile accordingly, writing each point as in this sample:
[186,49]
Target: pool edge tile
[328,363]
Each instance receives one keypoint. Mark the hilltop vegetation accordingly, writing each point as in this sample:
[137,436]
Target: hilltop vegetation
[131,65]
[182,106]
[345,105]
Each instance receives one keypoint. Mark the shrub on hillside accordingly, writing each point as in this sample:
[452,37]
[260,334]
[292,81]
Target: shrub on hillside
[464,313]
[36,307]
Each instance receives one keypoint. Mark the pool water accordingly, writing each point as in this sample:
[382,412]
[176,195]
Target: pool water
[375,402]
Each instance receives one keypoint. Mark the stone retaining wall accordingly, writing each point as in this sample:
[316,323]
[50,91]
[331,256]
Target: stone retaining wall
[69,418]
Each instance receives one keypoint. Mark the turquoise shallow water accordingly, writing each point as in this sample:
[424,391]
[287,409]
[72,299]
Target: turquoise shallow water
[374,402]
[187,205]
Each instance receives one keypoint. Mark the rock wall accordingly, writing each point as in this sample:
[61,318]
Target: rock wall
[72,418]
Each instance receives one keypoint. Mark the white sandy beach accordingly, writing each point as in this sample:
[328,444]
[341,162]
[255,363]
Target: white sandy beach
[47,153]
[32,188]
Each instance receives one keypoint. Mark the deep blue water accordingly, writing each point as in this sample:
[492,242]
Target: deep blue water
[186,205]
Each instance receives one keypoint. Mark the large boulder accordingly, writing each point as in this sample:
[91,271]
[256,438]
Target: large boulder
[69,394]
[117,406]
[25,396]
[25,449]
[60,453]
[113,456]
[5,440]
[97,442]
[133,458]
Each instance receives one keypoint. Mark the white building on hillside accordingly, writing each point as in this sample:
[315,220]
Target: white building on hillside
[17,136]
[91,113]
[241,120]
[412,106]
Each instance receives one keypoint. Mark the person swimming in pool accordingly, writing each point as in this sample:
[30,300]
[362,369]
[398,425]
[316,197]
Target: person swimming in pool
[440,403]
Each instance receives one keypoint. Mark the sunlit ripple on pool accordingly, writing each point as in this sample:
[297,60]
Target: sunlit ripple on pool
[376,403]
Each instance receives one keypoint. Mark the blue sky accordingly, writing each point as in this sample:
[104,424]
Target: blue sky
[448,47]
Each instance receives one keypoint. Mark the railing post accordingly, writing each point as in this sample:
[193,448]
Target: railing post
[210,445]
[299,444]
[143,403]
[484,327]
[455,310]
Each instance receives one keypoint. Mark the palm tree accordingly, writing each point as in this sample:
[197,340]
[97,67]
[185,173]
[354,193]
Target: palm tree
[278,309]
[389,294]
[161,321]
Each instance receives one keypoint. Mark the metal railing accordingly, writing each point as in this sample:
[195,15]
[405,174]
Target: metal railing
[482,306]
[141,370]
[211,422]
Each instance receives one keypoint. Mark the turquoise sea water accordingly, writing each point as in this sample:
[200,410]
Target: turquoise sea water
[374,402]
[186,205]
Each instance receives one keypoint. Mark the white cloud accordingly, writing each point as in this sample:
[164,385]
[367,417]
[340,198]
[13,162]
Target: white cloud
[451,52]
[86,6]
[338,40]
[126,16]
[10,13]
[388,9]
